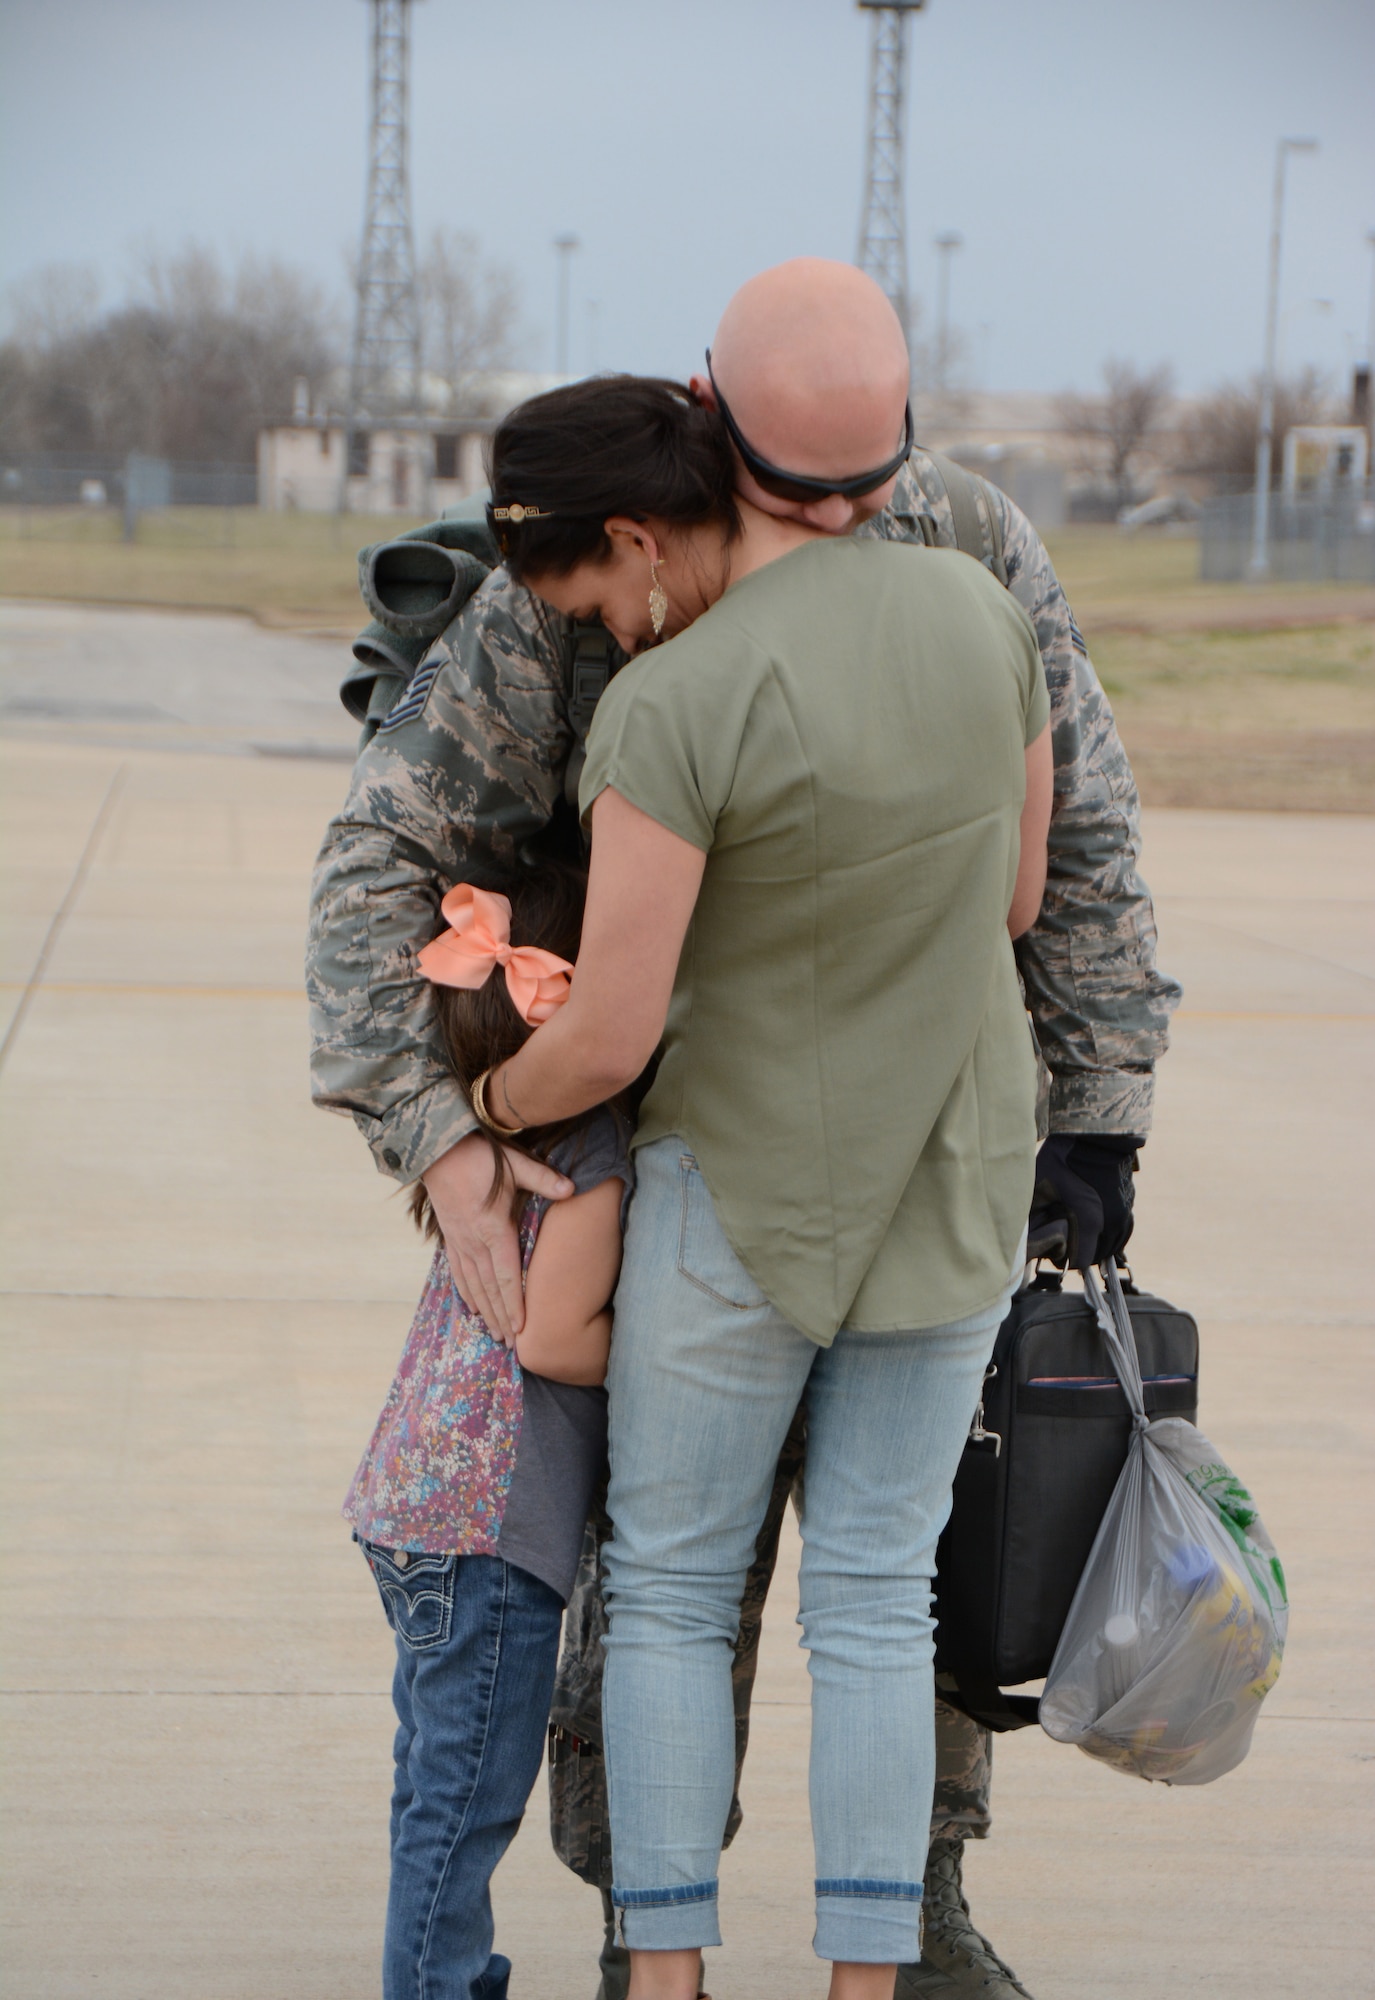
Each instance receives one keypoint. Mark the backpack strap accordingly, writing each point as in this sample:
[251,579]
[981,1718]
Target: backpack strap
[985,1703]
[978,530]
[591,663]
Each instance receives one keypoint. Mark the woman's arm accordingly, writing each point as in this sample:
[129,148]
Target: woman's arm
[572,1274]
[641,891]
[1031,867]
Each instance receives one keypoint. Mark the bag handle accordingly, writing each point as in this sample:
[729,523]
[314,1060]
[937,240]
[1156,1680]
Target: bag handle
[1115,1323]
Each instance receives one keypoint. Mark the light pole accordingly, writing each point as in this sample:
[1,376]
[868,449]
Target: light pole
[1265,443]
[1370,362]
[1284,344]
[565,246]
[949,241]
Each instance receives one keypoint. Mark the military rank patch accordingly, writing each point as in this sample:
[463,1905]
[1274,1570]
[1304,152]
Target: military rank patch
[413,701]
[1076,638]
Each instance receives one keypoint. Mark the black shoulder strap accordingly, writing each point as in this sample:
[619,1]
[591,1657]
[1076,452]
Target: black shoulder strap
[978,530]
[592,660]
[985,1703]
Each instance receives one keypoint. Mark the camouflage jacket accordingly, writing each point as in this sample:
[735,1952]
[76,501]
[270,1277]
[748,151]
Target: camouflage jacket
[469,766]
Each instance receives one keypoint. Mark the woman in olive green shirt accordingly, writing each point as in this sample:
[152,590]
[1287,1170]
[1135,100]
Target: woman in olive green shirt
[818,814]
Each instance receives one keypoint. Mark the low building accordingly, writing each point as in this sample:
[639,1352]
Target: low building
[419,465]
[316,466]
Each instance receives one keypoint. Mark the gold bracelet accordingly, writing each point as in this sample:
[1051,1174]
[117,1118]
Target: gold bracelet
[478,1098]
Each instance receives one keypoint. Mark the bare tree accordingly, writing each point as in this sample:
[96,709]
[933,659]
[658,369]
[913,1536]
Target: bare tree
[190,366]
[52,305]
[1115,428]
[231,345]
[468,314]
[1218,437]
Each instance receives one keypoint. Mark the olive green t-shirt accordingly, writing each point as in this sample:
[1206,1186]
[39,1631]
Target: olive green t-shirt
[846,1053]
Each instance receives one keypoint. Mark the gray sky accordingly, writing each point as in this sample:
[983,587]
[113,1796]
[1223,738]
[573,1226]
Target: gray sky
[1108,165]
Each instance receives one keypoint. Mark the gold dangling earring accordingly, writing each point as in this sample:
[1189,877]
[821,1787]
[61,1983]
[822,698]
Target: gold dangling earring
[658,603]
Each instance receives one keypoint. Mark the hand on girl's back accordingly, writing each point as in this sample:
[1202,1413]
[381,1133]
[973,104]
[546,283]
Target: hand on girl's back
[573,1270]
[479,1235]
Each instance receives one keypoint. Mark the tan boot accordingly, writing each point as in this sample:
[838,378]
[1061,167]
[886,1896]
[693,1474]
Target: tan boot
[956,1959]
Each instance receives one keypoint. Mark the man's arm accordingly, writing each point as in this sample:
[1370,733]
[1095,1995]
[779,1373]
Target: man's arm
[449,794]
[1098,1003]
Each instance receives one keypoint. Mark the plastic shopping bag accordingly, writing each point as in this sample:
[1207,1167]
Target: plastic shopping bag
[1177,1629]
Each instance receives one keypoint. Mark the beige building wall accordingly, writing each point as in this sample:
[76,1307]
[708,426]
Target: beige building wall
[301,466]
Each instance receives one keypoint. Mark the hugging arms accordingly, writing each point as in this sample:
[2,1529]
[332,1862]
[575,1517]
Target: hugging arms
[473,772]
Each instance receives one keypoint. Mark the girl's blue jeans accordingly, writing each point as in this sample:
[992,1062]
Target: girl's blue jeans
[705,1377]
[476,1647]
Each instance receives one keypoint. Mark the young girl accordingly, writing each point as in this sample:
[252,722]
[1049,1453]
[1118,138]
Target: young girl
[471,1497]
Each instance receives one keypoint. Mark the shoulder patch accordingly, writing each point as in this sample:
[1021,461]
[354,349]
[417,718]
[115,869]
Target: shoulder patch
[1076,637]
[417,694]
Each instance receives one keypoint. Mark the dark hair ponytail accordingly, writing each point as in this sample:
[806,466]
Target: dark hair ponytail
[616,444]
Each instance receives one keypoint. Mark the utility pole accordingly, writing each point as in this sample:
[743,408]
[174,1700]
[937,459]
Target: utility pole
[384,370]
[565,245]
[1259,567]
[948,242]
[1370,364]
[882,248]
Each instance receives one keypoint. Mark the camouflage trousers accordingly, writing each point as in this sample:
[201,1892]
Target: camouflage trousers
[577,1774]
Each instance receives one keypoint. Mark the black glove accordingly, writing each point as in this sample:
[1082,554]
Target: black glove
[1081,1206]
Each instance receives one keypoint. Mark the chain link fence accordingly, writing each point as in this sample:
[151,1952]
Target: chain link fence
[1315,538]
[93,496]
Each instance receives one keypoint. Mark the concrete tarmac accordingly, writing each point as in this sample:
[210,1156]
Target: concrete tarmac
[206,1287]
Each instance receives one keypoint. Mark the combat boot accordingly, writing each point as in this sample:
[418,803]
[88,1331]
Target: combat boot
[615,1960]
[955,1958]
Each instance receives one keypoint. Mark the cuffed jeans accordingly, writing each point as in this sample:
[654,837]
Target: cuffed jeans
[705,1377]
[476,1647]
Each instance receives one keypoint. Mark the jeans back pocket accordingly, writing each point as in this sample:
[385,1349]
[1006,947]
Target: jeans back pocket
[705,1257]
[417,1592]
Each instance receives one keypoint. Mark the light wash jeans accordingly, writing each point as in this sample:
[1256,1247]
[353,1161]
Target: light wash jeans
[705,1377]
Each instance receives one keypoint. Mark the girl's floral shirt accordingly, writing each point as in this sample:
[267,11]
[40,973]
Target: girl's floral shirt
[438,1469]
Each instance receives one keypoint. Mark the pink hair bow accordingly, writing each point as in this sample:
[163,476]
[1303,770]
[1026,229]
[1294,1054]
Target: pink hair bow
[479,939]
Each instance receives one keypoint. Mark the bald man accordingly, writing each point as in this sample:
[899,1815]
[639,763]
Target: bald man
[814,361]
[473,764]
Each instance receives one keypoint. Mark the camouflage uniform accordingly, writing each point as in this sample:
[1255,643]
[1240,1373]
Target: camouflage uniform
[469,767]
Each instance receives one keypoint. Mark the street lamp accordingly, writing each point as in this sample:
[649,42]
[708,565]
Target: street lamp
[948,242]
[1260,547]
[1370,359]
[565,246]
[1284,343]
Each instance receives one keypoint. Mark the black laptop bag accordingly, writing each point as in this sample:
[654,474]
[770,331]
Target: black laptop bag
[1034,1482]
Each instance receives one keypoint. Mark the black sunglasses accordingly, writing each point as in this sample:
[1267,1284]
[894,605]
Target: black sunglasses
[797,485]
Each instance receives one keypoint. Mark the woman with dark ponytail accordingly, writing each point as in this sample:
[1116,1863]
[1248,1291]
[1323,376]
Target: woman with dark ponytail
[615,445]
[818,803]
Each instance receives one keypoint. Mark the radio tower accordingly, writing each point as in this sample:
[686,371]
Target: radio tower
[883,227]
[385,368]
